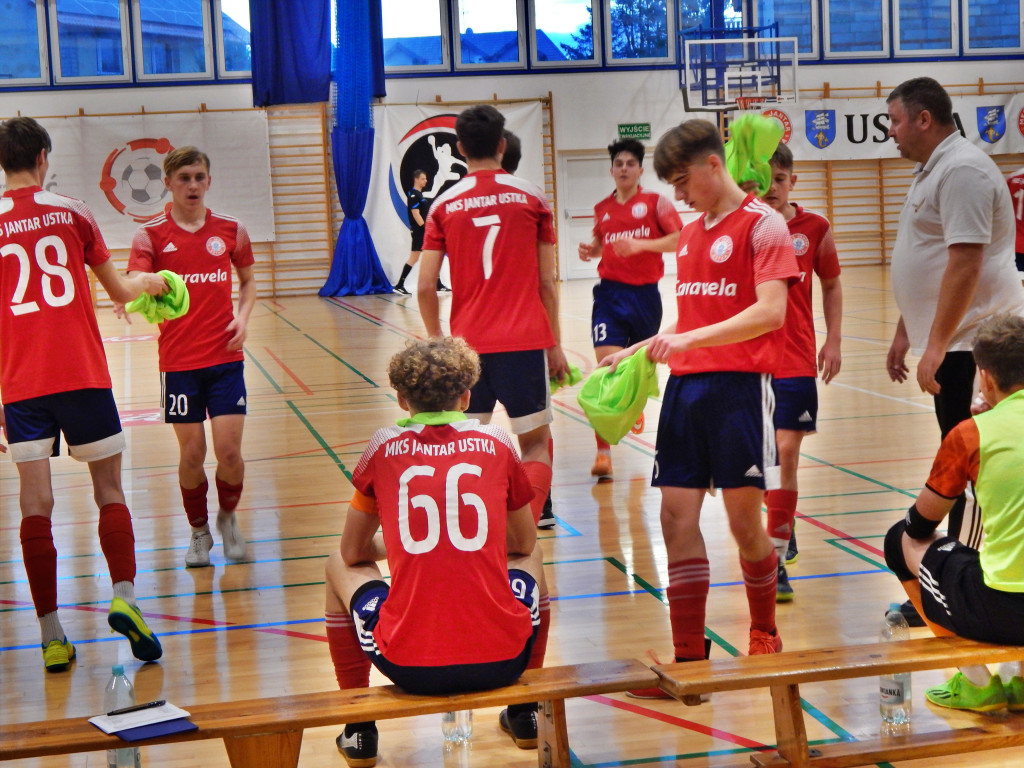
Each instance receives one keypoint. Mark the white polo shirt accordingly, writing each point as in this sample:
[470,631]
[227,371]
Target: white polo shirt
[958,196]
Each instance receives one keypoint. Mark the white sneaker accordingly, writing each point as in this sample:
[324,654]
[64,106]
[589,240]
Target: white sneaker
[231,535]
[198,555]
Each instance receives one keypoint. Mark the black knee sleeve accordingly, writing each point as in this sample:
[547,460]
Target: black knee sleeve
[894,552]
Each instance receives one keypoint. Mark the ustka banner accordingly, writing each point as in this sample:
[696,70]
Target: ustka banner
[857,129]
[114,163]
[421,137]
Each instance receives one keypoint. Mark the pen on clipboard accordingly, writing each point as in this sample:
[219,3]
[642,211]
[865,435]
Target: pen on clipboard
[137,707]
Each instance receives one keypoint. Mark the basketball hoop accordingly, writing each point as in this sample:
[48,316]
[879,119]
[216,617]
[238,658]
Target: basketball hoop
[749,102]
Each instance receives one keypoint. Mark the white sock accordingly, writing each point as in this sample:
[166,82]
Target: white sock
[126,591]
[977,674]
[50,628]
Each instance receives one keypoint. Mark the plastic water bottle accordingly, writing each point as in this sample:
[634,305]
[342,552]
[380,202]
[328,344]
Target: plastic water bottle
[894,696]
[457,726]
[118,694]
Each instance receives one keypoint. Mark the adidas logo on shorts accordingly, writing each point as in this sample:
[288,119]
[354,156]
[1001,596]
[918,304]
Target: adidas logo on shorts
[753,472]
[372,605]
[241,401]
[805,416]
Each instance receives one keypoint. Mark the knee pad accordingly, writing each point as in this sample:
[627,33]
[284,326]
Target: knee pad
[894,552]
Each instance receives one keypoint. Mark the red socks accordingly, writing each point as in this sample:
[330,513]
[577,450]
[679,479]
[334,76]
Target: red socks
[539,475]
[781,511]
[760,580]
[194,500]
[117,540]
[40,556]
[228,495]
[540,643]
[602,444]
[688,584]
[351,665]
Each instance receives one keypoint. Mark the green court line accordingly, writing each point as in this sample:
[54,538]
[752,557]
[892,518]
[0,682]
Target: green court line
[323,443]
[851,551]
[263,370]
[359,373]
[816,515]
[859,475]
[281,317]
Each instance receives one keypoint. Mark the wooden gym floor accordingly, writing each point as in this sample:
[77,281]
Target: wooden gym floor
[317,390]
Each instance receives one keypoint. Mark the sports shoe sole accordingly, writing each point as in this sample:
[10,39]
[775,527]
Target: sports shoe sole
[127,621]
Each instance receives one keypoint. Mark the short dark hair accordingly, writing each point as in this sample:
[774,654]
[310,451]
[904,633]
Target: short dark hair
[924,93]
[182,156]
[782,158]
[634,147]
[417,173]
[513,152]
[479,130]
[689,141]
[999,349]
[21,141]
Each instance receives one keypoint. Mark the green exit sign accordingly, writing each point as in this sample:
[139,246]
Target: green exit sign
[634,130]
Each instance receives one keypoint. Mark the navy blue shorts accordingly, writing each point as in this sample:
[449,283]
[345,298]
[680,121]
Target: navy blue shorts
[87,417]
[417,238]
[519,381]
[1020,263]
[954,595]
[624,314]
[188,396]
[432,681]
[796,403]
[716,431]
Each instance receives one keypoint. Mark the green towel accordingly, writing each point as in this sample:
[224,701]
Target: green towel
[169,306]
[753,140]
[575,376]
[614,401]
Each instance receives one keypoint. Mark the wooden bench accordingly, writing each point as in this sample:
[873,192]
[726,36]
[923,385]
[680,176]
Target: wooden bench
[267,733]
[782,673]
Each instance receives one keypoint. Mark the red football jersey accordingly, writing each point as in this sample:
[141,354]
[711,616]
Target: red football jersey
[489,223]
[49,339]
[1015,182]
[815,254]
[645,216]
[717,272]
[443,495]
[205,261]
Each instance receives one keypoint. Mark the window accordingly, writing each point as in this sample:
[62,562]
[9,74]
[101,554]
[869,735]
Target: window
[89,45]
[414,38]
[639,31]
[232,27]
[22,62]
[993,27]
[796,18]
[172,39]
[854,28]
[924,25]
[563,33]
[488,34]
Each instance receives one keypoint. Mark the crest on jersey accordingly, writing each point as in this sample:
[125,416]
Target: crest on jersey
[133,178]
[430,146]
[215,246]
[820,127]
[639,210]
[991,123]
[721,249]
[800,243]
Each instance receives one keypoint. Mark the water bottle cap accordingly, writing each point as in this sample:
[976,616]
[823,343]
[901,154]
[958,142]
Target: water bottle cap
[117,670]
[894,607]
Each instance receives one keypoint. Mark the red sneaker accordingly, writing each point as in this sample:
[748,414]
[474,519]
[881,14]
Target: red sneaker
[762,642]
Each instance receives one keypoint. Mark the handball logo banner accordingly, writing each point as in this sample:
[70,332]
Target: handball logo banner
[429,146]
[133,178]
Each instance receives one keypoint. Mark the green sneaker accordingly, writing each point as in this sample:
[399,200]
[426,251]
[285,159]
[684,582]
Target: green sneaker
[1014,694]
[58,655]
[127,619]
[960,693]
[783,591]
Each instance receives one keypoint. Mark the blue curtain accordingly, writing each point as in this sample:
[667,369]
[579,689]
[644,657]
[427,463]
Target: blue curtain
[291,51]
[356,267]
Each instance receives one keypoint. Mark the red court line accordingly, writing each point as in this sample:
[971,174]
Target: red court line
[288,370]
[381,320]
[844,536]
[681,723]
[290,633]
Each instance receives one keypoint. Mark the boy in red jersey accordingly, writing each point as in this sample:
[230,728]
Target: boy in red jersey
[632,229]
[201,359]
[453,503]
[497,230]
[734,267]
[796,394]
[54,378]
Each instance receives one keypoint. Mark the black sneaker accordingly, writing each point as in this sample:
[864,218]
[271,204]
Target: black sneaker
[911,615]
[360,748]
[401,289]
[783,591]
[442,288]
[521,727]
[547,517]
[792,553]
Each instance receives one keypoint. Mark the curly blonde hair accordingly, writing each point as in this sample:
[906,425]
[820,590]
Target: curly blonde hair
[431,375]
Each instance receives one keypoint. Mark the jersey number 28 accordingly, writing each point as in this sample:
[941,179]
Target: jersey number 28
[51,272]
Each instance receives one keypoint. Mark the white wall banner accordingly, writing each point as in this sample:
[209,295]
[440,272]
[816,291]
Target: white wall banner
[410,137]
[115,164]
[857,129]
